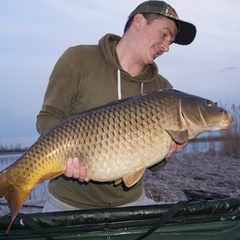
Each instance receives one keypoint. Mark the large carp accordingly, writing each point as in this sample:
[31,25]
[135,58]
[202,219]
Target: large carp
[116,142]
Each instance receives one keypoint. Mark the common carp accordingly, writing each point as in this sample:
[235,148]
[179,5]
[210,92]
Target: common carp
[115,142]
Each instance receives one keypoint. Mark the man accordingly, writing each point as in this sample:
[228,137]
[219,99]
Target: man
[88,76]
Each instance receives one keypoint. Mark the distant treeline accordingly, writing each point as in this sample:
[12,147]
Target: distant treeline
[5,148]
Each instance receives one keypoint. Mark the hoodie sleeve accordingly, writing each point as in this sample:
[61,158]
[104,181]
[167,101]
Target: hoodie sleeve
[60,91]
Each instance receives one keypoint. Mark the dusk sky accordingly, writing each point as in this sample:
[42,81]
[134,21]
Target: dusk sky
[34,34]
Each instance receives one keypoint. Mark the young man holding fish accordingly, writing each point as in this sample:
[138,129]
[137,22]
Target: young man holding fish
[90,76]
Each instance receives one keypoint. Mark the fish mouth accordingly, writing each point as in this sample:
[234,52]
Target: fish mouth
[226,122]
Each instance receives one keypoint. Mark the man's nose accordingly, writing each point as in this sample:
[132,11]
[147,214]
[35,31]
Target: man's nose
[165,46]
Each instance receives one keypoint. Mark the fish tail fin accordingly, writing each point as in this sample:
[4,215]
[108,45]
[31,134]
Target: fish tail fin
[14,197]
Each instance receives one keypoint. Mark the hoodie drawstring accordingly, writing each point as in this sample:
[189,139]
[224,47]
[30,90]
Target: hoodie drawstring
[119,85]
[142,88]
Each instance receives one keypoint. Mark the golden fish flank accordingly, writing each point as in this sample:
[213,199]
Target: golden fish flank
[115,142]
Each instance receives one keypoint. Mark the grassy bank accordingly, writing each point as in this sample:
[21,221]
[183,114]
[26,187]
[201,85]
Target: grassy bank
[231,137]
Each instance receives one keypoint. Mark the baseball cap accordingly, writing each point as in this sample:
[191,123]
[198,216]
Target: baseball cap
[186,32]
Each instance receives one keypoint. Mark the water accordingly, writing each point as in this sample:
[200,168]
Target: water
[36,198]
[203,147]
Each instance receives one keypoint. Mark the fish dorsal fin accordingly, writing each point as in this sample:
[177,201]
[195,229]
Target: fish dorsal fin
[179,137]
[49,176]
[133,178]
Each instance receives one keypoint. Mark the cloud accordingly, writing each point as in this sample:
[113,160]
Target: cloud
[230,68]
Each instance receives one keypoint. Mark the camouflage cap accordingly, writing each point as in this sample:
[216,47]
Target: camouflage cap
[186,32]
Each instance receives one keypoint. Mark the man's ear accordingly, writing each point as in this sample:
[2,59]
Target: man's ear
[139,21]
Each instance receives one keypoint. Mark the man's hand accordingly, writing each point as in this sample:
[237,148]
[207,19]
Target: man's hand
[76,170]
[175,148]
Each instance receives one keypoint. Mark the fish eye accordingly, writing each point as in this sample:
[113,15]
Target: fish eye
[210,103]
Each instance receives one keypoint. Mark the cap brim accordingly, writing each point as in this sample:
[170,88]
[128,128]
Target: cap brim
[186,33]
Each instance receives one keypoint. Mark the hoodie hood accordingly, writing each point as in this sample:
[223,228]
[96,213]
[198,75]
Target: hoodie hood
[108,45]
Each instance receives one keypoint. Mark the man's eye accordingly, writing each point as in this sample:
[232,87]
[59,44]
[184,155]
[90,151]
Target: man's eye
[164,35]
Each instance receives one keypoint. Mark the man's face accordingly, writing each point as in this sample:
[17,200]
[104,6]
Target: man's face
[156,38]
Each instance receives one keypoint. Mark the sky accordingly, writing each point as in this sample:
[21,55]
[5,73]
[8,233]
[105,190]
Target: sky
[34,34]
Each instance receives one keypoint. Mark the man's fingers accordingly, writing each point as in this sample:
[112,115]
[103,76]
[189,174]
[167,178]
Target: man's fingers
[83,175]
[171,150]
[76,170]
[180,147]
[69,168]
[175,148]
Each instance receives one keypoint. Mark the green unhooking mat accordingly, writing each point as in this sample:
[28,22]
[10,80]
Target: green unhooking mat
[203,220]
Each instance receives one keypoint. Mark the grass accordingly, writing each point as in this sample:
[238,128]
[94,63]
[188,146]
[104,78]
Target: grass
[231,137]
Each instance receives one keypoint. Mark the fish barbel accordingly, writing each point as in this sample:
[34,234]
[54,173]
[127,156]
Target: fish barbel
[115,142]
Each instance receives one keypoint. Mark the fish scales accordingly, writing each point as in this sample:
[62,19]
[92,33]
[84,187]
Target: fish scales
[123,141]
[114,142]
[69,140]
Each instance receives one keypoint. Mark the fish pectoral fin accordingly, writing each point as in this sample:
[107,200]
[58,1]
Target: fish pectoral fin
[179,136]
[133,178]
[49,176]
[118,181]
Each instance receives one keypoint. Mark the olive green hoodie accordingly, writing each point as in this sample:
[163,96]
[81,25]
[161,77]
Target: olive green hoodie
[85,77]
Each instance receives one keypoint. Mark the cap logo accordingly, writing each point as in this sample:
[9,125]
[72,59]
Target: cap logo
[171,12]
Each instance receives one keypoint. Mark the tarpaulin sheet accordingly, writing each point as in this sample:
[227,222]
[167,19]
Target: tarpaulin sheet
[216,219]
